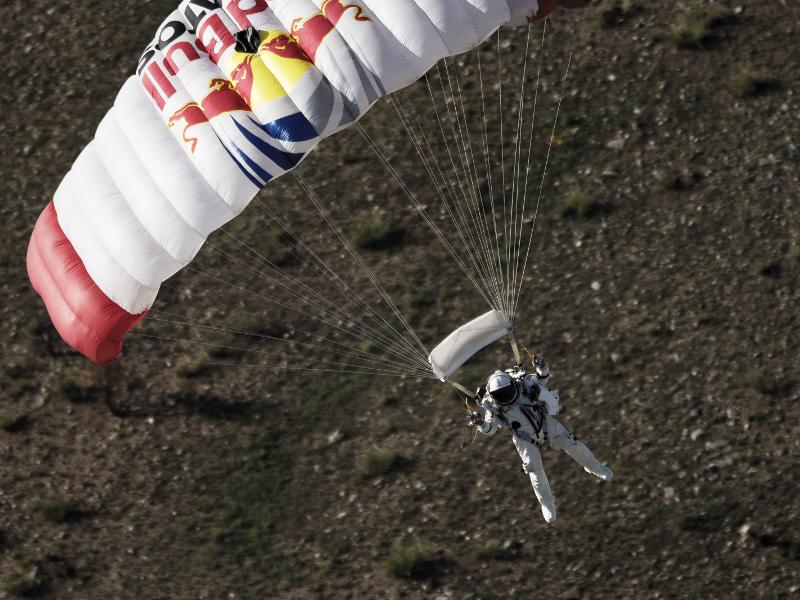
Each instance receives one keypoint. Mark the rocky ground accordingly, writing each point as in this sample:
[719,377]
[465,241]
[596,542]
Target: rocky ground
[664,291]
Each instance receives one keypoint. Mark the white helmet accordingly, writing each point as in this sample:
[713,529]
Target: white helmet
[502,388]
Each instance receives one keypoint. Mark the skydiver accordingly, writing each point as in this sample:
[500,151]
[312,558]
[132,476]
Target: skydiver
[522,402]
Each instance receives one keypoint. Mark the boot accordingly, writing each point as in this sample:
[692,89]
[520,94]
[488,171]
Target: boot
[604,472]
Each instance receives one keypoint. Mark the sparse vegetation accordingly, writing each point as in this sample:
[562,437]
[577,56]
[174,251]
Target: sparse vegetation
[376,232]
[193,369]
[75,390]
[694,28]
[35,326]
[23,584]
[379,462]
[578,205]
[608,367]
[16,370]
[616,14]
[719,516]
[656,329]
[57,510]
[274,246]
[706,316]
[789,547]
[259,239]
[222,352]
[250,327]
[764,384]
[325,397]
[492,550]
[416,303]
[21,388]
[748,82]
[209,405]
[410,560]
[767,268]
[14,423]
[242,506]
[679,180]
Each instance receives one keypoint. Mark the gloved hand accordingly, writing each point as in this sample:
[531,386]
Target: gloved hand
[475,419]
[542,369]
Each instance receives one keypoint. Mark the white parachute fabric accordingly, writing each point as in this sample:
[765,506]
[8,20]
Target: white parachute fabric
[466,341]
[230,95]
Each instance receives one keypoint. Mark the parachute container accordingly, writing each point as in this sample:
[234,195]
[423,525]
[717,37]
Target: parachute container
[466,341]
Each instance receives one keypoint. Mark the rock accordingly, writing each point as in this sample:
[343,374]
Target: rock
[716,444]
[335,437]
[616,144]
[744,531]
[572,593]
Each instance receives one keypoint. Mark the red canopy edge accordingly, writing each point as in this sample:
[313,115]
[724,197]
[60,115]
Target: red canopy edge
[548,6]
[84,316]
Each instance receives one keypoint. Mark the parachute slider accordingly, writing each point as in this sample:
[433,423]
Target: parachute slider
[466,341]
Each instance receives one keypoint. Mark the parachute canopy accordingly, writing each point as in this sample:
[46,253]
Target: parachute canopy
[229,95]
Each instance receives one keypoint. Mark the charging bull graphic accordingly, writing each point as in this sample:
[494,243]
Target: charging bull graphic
[285,47]
[311,31]
[222,99]
[250,73]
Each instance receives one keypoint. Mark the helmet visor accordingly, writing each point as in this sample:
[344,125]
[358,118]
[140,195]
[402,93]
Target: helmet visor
[505,394]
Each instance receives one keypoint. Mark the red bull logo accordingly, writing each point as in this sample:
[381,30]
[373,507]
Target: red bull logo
[191,114]
[286,47]
[243,79]
[335,9]
[222,99]
[283,46]
[310,32]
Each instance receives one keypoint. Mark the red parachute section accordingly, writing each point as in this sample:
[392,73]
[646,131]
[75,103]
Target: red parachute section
[84,316]
[548,6]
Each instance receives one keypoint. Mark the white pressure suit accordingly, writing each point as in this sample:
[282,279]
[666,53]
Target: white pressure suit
[530,419]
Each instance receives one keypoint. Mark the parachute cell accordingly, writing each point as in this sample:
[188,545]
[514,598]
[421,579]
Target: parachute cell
[86,318]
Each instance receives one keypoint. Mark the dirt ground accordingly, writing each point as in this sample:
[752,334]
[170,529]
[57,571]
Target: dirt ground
[663,290]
